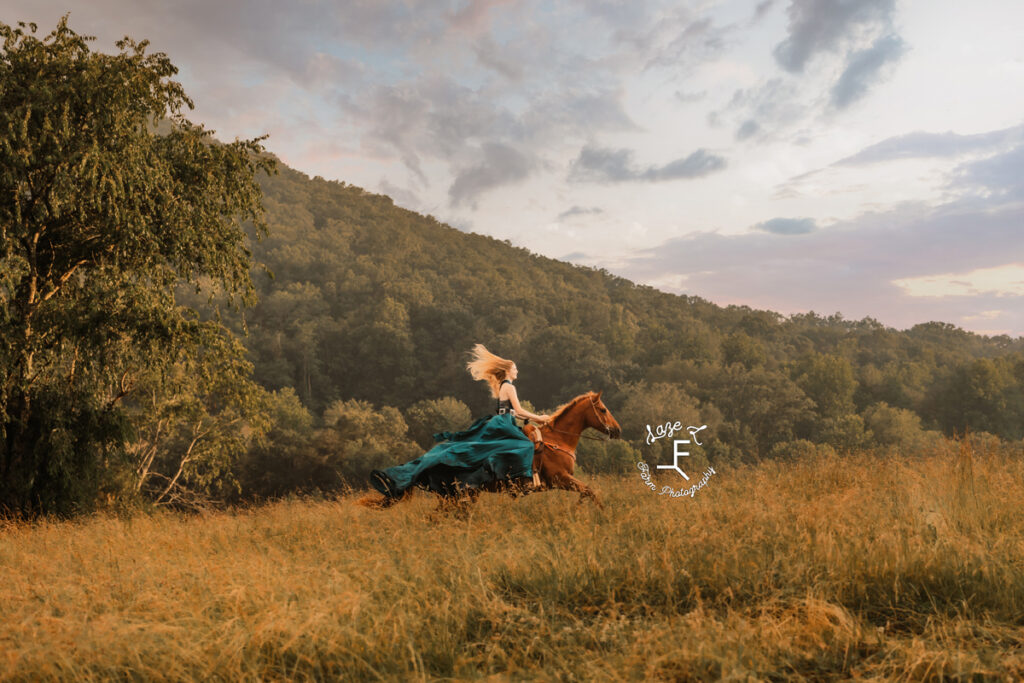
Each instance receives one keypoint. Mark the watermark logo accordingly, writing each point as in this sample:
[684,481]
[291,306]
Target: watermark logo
[667,431]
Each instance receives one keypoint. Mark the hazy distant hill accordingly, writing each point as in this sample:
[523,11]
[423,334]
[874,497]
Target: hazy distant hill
[372,301]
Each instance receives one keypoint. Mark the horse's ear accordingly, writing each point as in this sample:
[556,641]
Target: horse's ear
[599,395]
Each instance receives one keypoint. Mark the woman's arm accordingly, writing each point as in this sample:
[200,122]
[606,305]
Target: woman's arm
[513,398]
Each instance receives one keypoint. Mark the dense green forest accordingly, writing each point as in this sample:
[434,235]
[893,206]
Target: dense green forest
[368,310]
[186,321]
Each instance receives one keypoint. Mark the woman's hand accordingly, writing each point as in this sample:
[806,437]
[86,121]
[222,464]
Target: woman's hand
[520,411]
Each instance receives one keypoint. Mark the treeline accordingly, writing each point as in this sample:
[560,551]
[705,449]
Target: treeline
[369,302]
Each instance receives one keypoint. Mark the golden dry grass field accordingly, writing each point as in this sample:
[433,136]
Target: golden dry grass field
[826,569]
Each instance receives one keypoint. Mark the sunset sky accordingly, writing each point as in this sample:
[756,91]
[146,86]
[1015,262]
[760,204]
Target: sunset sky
[863,157]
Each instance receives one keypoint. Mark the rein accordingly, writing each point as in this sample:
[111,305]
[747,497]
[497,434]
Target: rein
[581,435]
[572,453]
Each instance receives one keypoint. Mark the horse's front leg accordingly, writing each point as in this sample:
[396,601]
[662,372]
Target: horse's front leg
[568,482]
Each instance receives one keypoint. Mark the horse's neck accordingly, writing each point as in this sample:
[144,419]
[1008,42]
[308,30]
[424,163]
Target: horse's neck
[569,425]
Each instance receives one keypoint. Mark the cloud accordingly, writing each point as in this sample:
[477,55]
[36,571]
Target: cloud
[376,83]
[817,26]
[435,117]
[921,144]
[699,163]
[575,257]
[859,41]
[787,226]
[774,104]
[601,165]
[579,211]
[863,67]
[491,56]
[500,165]
[748,129]
[1003,280]
[627,19]
[1001,175]
[573,112]
[762,9]
[440,119]
[690,97]
[852,267]
[689,41]
[400,196]
[984,315]
[373,84]
[475,18]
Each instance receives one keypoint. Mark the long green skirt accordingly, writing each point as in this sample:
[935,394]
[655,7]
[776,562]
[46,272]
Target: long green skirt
[493,449]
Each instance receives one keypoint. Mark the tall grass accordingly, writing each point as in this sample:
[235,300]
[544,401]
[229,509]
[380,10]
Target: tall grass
[866,566]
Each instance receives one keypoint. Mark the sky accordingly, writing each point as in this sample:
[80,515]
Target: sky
[861,157]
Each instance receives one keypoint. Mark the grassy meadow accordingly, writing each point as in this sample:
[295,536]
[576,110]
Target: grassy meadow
[832,567]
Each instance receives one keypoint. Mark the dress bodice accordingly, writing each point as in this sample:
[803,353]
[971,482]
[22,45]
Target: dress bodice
[501,406]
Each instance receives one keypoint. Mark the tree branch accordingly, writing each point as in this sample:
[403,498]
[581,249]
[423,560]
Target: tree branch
[63,279]
[122,393]
[181,466]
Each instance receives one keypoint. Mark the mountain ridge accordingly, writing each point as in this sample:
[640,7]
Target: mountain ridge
[376,302]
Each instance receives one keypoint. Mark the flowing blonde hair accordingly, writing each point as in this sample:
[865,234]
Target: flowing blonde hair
[488,367]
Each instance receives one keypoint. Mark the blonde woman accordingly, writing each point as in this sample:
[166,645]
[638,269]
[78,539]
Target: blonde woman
[493,449]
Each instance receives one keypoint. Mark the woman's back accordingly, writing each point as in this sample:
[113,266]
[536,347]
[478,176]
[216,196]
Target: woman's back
[503,405]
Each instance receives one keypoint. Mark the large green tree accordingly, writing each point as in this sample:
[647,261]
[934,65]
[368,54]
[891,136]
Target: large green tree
[101,218]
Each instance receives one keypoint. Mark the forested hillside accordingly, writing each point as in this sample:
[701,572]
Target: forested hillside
[182,324]
[372,302]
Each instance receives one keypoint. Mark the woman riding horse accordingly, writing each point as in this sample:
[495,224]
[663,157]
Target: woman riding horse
[494,454]
[493,450]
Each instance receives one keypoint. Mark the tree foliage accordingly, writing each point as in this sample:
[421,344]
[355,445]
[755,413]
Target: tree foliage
[430,416]
[100,219]
[195,411]
[391,300]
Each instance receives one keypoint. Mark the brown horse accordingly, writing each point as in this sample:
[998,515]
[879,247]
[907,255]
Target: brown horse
[554,459]
[554,456]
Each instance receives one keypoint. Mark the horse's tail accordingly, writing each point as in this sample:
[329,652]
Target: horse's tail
[379,501]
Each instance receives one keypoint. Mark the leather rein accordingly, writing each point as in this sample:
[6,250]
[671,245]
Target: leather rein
[572,453]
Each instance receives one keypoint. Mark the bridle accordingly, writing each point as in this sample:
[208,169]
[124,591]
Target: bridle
[607,429]
[604,425]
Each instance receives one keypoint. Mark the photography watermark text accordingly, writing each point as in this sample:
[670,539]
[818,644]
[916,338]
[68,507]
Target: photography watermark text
[668,430]
[674,493]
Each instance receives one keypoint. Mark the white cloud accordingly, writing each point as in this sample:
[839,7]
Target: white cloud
[984,315]
[477,109]
[1005,280]
[881,265]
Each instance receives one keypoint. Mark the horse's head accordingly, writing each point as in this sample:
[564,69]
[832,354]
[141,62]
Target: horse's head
[600,418]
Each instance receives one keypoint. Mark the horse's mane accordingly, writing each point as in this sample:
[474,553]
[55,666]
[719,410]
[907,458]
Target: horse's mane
[557,412]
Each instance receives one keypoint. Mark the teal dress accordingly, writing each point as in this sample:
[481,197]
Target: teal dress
[492,449]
